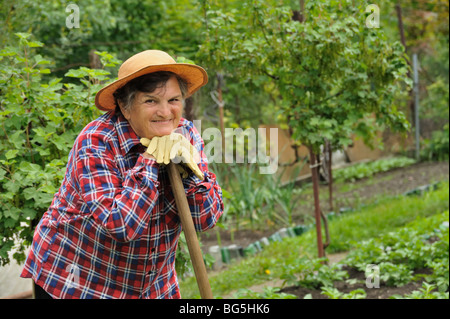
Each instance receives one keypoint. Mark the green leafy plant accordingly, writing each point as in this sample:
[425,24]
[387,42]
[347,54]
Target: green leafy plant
[333,293]
[268,293]
[437,147]
[363,170]
[40,119]
[312,273]
[395,274]
[422,244]
[287,197]
[247,196]
[253,199]
[426,292]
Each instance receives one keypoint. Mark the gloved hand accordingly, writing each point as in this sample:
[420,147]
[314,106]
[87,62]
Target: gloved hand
[176,148]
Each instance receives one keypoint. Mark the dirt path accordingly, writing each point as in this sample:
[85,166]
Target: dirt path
[10,282]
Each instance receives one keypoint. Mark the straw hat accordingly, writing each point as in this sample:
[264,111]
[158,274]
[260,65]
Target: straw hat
[148,62]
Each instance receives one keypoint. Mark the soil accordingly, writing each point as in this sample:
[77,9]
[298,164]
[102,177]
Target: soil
[383,292]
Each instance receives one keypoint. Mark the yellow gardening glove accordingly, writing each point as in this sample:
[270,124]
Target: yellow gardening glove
[176,148]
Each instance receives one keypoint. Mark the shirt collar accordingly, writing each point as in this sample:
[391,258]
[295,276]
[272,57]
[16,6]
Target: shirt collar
[127,137]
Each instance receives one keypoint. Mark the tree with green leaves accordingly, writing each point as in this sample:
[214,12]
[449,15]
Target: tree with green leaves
[331,72]
[121,27]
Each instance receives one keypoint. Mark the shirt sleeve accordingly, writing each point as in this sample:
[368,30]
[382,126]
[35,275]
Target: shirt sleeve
[204,196]
[120,204]
[204,199]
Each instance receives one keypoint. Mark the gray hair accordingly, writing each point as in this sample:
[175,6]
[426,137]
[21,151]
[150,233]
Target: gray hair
[146,83]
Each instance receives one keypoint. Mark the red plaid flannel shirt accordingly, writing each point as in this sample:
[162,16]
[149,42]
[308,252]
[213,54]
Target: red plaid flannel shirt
[112,229]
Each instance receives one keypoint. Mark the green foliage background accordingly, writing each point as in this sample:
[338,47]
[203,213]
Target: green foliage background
[40,120]
[47,86]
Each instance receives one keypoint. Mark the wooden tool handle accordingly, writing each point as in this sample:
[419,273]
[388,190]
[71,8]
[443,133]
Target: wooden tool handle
[189,231]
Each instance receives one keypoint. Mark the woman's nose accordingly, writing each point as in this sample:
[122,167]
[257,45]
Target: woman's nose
[164,109]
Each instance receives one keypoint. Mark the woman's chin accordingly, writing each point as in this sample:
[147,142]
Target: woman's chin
[163,132]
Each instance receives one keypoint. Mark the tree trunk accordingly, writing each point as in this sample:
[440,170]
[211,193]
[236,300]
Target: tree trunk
[299,15]
[302,11]
[398,8]
[94,60]
[189,110]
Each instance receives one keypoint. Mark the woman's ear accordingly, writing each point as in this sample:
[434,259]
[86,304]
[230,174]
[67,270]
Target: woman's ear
[125,111]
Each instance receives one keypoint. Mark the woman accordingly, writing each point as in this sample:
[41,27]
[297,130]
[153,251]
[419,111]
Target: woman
[112,229]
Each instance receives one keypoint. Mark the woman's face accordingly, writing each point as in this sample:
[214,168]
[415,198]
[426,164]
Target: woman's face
[157,113]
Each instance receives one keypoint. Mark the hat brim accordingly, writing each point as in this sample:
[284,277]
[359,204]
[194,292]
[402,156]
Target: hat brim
[194,75]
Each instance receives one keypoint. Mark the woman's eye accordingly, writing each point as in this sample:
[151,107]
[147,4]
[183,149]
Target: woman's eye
[150,101]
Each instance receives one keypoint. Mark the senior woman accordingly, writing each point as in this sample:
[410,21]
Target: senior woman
[112,229]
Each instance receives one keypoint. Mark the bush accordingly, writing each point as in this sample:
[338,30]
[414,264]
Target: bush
[40,118]
[437,148]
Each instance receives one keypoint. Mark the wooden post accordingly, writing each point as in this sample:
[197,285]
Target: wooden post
[330,173]
[317,213]
[416,104]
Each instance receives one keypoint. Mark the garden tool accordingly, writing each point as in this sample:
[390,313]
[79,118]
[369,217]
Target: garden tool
[162,150]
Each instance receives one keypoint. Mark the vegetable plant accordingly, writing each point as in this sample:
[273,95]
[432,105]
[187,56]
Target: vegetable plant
[425,292]
[364,170]
[422,244]
[268,293]
[333,293]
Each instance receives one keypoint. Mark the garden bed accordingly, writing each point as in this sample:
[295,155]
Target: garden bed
[412,262]
[344,287]
[285,261]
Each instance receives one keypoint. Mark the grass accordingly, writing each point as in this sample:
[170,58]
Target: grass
[383,216]
[367,222]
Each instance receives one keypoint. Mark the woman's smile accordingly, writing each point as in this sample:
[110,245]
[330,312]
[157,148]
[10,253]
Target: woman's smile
[156,113]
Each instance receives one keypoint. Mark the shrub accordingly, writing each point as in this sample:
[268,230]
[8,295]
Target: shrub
[40,118]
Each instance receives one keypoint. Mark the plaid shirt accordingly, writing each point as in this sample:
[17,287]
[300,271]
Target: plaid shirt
[112,229]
